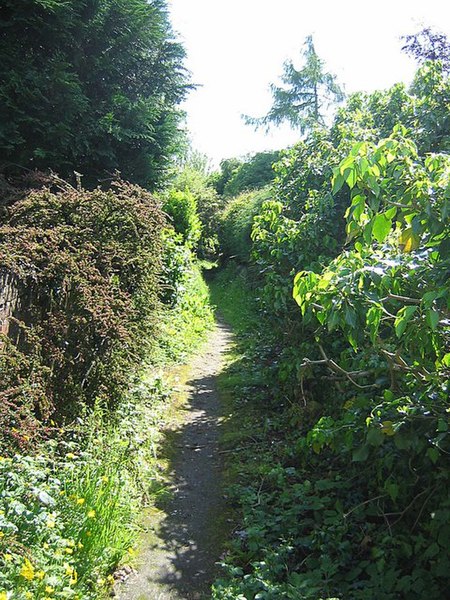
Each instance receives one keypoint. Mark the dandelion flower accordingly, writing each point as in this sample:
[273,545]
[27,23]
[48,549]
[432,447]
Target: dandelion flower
[3,596]
[27,570]
[7,557]
[40,575]
[70,455]
[91,514]
[80,501]
[49,589]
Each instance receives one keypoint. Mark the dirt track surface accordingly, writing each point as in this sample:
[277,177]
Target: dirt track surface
[178,559]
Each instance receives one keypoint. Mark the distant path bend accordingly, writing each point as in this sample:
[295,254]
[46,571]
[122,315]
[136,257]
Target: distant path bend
[178,561]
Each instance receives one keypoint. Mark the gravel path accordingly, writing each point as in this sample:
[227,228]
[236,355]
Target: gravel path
[179,556]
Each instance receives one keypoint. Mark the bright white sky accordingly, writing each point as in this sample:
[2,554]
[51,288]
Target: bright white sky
[236,48]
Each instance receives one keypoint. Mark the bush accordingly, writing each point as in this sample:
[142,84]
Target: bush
[86,265]
[236,223]
[181,207]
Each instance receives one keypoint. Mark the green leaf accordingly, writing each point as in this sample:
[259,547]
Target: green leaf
[375,436]
[350,177]
[408,240]
[360,454]
[403,317]
[433,454]
[373,319]
[432,319]
[337,183]
[350,316]
[381,227]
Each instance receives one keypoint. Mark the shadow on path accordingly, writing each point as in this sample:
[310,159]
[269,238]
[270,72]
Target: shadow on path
[178,560]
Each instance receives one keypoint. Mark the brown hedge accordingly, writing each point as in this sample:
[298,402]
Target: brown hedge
[87,267]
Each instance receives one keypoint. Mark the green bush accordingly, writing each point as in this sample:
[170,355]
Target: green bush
[181,207]
[353,503]
[236,221]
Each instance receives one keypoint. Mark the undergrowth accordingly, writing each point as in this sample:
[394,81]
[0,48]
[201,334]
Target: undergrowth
[304,526]
[69,512]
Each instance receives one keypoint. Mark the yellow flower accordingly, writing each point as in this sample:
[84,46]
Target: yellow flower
[131,551]
[40,575]
[45,546]
[88,533]
[27,570]
[49,589]
[105,479]
[2,534]
[29,595]
[7,557]
[70,455]
[50,523]
[80,545]
[91,514]
[69,569]
[68,550]
[110,579]
[80,501]
[3,596]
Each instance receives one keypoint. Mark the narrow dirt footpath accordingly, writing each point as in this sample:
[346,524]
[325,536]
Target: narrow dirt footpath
[184,539]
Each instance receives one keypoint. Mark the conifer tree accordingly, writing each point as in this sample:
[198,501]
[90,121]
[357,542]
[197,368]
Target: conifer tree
[305,95]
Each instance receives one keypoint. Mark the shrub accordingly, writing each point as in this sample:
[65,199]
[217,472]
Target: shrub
[87,268]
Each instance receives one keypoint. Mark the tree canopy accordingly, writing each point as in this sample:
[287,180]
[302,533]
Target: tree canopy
[428,45]
[305,95]
[89,85]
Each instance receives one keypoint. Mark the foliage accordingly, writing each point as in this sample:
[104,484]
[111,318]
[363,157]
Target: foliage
[70,494]
[306,94]
[87,266]
[236,221]
[251,173]
[90,86]
[68,513]
[181,208]
[346,495]
[428,45]
[193,175]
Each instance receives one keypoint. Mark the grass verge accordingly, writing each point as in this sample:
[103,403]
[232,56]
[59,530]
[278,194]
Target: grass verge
[69,513]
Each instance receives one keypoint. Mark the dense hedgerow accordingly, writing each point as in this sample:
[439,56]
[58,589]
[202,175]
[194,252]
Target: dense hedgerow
[87,266]
[354,503]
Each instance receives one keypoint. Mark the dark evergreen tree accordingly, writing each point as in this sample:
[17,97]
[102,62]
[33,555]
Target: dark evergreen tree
[89,85]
